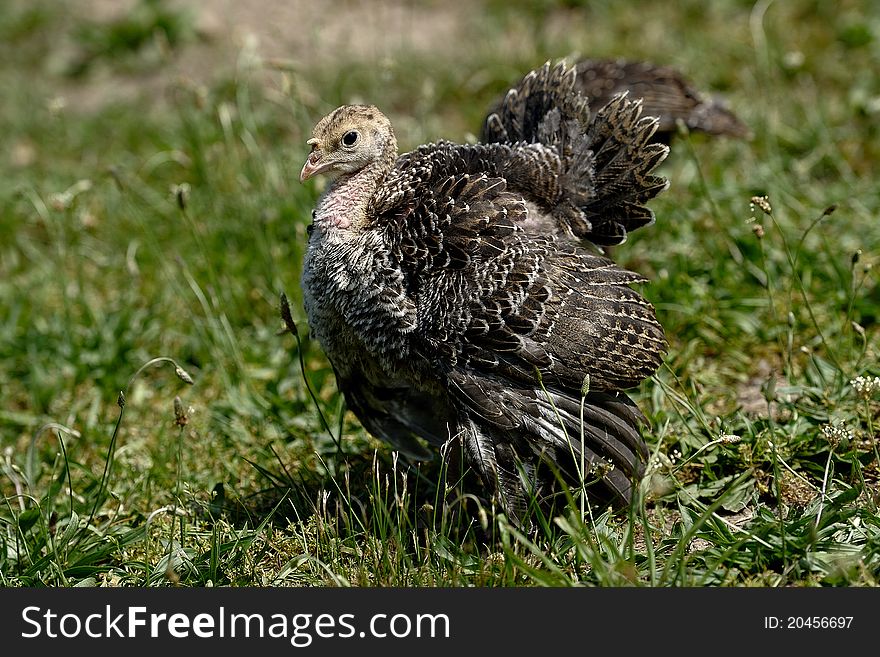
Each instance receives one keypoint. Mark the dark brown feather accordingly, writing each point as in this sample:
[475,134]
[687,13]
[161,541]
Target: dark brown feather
[455,303]
[665,93]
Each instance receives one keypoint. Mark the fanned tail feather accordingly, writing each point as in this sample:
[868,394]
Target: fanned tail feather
[617,157]
[534,110]
[607,160]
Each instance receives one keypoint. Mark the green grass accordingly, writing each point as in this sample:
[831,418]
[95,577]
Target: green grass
[165,224]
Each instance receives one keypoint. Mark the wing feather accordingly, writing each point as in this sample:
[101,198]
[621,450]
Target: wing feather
[515,322]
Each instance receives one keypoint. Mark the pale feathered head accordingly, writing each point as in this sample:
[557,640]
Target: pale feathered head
[348,139]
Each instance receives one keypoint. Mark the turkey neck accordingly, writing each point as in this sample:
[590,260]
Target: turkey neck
[344,205]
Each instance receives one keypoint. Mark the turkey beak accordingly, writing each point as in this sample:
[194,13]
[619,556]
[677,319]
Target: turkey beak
[313,162]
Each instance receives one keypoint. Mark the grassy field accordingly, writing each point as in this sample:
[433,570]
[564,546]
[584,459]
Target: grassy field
[157,428]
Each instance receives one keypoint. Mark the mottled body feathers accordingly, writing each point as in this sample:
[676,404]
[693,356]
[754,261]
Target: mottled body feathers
[448,294]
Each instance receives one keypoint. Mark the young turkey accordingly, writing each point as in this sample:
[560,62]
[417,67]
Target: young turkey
[453,306]
[665,92]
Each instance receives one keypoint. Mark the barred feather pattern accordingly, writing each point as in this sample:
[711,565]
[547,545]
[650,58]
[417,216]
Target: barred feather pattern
[666,94]
[458,310]
[602,169]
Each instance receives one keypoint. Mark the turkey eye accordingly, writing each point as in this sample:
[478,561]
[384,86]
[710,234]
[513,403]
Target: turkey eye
[349,138]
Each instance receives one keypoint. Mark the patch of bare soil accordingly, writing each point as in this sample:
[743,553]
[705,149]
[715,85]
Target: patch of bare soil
[301,33]
[751,395]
